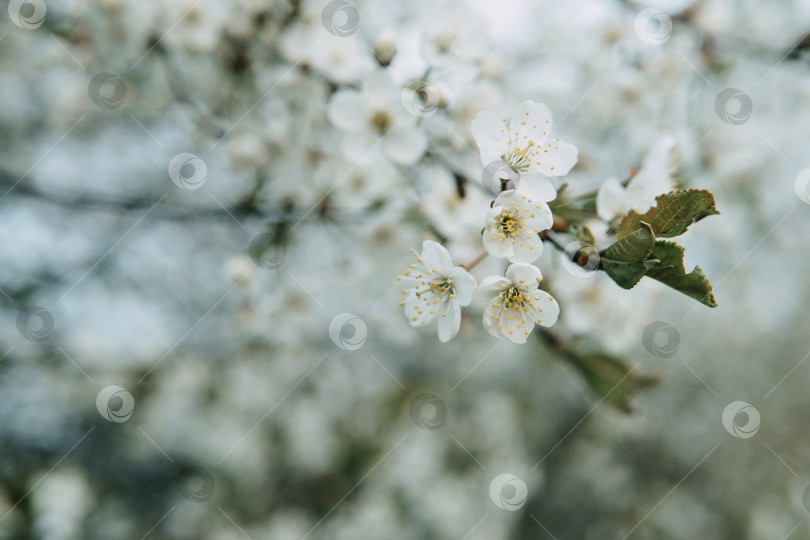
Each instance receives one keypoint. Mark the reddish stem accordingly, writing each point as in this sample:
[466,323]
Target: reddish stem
[475,261]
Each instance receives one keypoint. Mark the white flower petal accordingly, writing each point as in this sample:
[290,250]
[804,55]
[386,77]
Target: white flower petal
[524,274]
[527,249]
[418,312]
[536,188]
[463,286]
[642,197]
[492,285]
[496,246]
[610,199]
[658,160]
[505,198]
[540,217]
[361,146]
[494,212]
[380,91]
[348,110]
[555,158]
[408,282]
[511,330]
[450,323]
[531,122]
[548,307]
[652,179]
[436,256]
[405,145]
[490,135]
[491,314]
[641,200]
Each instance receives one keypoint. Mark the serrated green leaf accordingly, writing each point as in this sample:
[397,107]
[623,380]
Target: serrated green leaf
[670,271]
[627,260]
[626,274]
[633,247]
[674,212]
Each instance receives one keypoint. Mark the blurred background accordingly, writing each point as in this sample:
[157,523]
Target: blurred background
[201,335]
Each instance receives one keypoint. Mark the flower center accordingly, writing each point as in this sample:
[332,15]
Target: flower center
[513,299]
[519,159]
[510,223]
[444,42]
[381,121]
[439,288]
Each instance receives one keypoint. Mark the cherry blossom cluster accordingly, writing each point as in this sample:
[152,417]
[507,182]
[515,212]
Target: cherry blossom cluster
[519,158]
[522,155]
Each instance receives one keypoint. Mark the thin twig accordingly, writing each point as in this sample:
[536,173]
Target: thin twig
[475,261]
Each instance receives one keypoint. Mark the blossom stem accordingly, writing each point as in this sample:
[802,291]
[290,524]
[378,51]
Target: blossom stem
[475,261]
[548,236]
[578,257]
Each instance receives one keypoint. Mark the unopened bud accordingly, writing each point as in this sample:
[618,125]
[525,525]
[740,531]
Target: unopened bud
[385,47]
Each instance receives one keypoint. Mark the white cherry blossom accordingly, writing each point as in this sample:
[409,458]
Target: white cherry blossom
[513,224]
[452,34]
[526,147]
[373,117]
[651,180]
[515,303]
[436,289]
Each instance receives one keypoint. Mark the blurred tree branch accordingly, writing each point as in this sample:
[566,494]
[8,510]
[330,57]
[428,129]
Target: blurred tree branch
[245,209]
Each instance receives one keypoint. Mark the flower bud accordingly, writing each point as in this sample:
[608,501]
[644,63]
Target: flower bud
[385,47]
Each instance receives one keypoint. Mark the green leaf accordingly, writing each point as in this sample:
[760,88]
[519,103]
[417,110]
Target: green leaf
[610,378]
[674,212]
[627,260]
[670,271]
[626,275]
[633,247]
